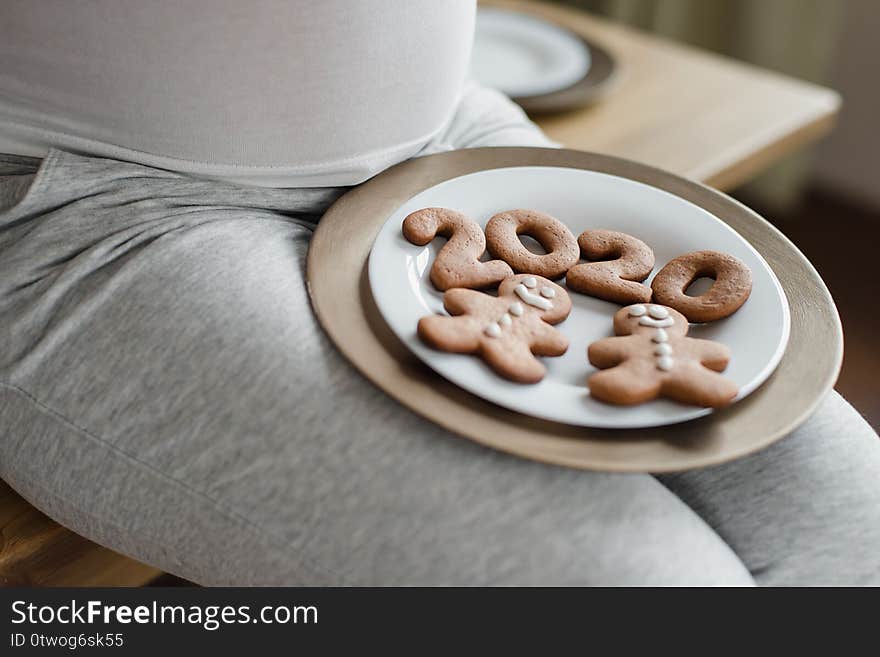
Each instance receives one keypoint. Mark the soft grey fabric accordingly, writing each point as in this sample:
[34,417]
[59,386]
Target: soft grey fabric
[166,391]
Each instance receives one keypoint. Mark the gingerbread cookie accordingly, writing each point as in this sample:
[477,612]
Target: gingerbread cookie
[732,286]
[623,263]
[652,357]
[507,331]
[458,263]
[502,237]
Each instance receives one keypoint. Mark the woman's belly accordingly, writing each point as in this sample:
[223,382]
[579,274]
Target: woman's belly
[282,93]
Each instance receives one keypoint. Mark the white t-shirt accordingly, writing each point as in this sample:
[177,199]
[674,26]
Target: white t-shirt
[282,93]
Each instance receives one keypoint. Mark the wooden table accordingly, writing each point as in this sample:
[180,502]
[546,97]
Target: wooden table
[696,114]
[685,110]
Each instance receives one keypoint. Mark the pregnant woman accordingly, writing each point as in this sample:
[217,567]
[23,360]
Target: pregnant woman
[166,391]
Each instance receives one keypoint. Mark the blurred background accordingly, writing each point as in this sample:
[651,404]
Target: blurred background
[826,196]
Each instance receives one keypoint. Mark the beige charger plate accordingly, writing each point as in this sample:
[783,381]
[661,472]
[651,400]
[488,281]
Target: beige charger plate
[340,293]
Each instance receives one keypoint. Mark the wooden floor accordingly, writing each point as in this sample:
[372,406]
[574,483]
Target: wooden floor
[842,238]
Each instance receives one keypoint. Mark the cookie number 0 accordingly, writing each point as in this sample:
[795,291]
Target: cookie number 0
[458,263]
[732,286]
[502,235]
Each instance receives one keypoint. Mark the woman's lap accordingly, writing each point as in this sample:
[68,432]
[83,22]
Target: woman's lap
[168,393]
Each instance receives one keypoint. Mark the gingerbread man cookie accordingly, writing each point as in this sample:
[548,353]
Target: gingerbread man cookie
[652,357]
[507,331]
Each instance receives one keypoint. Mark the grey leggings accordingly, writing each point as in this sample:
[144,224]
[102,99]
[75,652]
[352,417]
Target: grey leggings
[166,391]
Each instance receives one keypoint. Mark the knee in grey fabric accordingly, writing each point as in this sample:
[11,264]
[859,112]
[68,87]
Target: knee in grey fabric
[168,393]
[806,510]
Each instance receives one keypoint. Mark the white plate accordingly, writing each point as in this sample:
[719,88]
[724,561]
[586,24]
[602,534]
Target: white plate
[398,272]
[524,56]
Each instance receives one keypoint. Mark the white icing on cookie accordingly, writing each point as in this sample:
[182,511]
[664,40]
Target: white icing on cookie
[662,350]
[656,323]
[658,312]
[516,309]
[493,329]
[532,299]
[637,310]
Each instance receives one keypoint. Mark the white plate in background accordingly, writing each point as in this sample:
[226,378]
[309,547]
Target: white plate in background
[521,55]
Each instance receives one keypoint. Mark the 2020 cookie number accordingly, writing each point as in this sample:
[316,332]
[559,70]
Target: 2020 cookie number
[618,263]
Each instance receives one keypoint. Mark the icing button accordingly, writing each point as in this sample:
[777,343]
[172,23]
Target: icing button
[663,349]
[664,363]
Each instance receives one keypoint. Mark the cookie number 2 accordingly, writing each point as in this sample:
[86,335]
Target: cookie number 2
[619,279]
[458,263]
